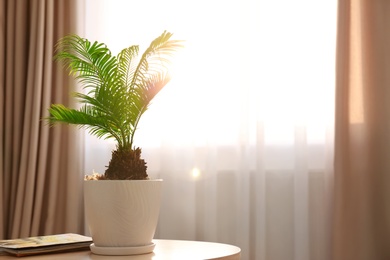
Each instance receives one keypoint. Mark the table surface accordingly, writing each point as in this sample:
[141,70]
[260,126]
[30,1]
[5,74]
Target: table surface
[164,250]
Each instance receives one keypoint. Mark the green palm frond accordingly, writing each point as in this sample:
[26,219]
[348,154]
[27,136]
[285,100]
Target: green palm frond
[84,118]
[91,63]
[156,58]
[119,88]
[127,64]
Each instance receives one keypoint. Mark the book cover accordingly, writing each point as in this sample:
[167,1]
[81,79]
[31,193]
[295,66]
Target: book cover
[45,244]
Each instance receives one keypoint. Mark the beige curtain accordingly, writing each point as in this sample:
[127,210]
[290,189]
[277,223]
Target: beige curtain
[40,167]
[362,137]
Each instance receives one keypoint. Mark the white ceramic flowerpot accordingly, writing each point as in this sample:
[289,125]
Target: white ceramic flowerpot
[122,215]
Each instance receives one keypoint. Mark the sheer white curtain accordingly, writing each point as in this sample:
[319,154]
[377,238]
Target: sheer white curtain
[243,134]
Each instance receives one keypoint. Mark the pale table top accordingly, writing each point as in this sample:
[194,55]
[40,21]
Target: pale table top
[164,250]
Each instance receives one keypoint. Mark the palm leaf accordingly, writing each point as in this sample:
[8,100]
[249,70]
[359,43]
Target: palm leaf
[86,117]
[119,88]
[127,64]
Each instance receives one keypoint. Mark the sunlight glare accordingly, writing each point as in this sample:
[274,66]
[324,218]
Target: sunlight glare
[195,173]
[255,62]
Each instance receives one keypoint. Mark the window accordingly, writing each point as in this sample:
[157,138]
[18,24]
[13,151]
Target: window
[243,134]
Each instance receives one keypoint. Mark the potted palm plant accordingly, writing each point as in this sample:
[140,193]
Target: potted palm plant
[121,205]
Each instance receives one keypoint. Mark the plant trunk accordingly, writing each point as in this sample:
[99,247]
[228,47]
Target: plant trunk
[126,165]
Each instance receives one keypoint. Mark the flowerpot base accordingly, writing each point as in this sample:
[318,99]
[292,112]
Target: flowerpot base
[136,250]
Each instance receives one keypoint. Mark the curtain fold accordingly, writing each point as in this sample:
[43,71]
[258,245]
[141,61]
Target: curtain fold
[41,167]
[362,133]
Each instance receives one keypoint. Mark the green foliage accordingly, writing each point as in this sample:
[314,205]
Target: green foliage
[119,88]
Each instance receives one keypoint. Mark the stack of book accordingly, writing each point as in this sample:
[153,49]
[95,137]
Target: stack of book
[45,244]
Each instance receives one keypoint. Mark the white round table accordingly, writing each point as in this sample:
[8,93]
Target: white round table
[164,250]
